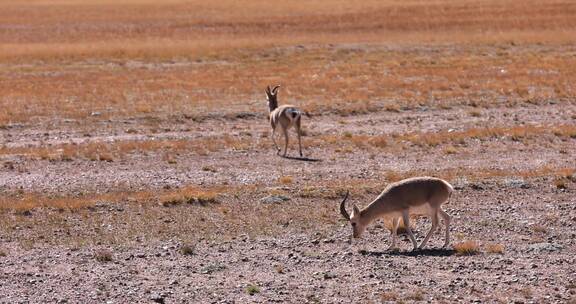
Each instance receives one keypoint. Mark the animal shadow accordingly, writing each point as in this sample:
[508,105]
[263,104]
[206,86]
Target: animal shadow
[307,159]
[422,252]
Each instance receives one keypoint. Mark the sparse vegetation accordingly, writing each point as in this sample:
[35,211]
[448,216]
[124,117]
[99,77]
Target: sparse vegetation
[140,126]
[286,180]
[475,113]
[495,248]
[103,256]
[539,228]
[521,76]
[252,289]
[209,169]
[467,248]
[188,249]
[388,296]
[416,296]
[279,268]
[450,150]
[526,292]
[189,195]
[561,183]
[109,151]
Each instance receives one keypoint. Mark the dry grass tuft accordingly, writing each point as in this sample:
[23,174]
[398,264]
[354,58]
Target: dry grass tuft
[252,289]
[103,256]
[188,249]
[450,150]
[279,269]
[527,292]
[388,296]
[539,228]
[495,248]
[561,183]
[209,169]
[467,248]
[286,180]
[475,113]
[189,195]
[416,296]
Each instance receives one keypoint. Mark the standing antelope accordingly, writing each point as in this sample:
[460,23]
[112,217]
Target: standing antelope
[417,196]
[284,116]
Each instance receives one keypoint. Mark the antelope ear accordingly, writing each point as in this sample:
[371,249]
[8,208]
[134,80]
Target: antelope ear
[355,209]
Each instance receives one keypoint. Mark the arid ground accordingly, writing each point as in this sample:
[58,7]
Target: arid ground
[137,164]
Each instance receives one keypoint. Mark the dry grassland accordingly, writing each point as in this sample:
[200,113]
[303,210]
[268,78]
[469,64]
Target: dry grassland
[66,59]
[325,190]
[136,163]
[345,142]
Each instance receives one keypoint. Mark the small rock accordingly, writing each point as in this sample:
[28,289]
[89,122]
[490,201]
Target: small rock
[157,298]
[516,183]
[328,276]
[476,187]
[274,199]
[538,247]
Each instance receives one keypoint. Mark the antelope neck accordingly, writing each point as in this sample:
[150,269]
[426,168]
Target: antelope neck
[375,210]
[272,106]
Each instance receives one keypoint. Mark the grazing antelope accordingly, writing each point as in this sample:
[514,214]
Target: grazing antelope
[284,116]
[412,196]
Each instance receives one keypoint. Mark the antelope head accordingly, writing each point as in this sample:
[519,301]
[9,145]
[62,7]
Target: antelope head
[355,219]
[271,97]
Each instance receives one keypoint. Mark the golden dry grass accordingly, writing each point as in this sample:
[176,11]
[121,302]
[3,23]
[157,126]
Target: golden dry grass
[467,248]
[190,195]
[495,248]
[286,179]
[474,174]
[209,195]
[515,133]
[109,151]
[346,142]
[389,296]
[68,59]
[63,29]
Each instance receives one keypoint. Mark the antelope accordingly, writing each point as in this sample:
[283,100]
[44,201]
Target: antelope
[284,116]
[412,196]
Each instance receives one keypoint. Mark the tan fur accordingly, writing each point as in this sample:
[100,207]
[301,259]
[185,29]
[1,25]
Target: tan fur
[283,117]
[400,200]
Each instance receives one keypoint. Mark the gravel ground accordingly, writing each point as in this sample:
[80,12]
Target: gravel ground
[531,217]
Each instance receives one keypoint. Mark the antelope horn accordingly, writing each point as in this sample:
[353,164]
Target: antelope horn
[275,89]
[268,90]
[343,207]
